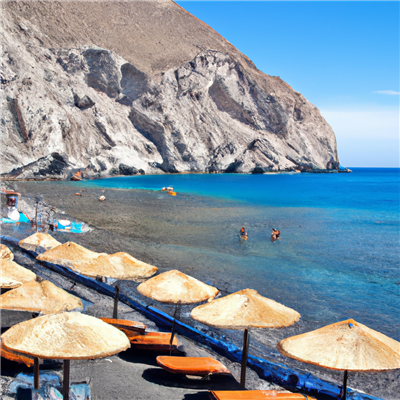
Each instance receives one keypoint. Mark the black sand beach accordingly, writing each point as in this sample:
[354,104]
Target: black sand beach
[146,225]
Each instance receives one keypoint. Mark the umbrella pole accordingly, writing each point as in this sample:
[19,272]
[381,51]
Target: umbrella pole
[116,296]
[36,384]
[173,330]
[67,365]
[245,353]
[344,385]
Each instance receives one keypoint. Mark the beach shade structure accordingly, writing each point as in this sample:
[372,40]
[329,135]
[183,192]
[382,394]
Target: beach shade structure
[14,274]
[65,336]
[344,346]
[243,310]
[118,266]
[70,255]
[44,297]
[39,242]
[6,253]
[89,263]
[175,287]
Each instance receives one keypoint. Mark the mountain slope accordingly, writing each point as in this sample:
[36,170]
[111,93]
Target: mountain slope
[128,86]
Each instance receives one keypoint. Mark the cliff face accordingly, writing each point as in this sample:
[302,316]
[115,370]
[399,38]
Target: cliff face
[143,87]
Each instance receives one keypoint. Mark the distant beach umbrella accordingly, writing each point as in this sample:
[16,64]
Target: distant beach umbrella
[6,253]
[39,242]
[12,272]
[344,346]
[42,297]
[70,255]
[243,310]
[118,266]
[67,336]
[175,287]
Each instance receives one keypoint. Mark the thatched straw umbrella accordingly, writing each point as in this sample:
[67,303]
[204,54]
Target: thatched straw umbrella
[70,255]
[89,263]
[344,346]
[39,242]
[243,310]
[67,336]
[10,271]
[6,253]
[42,297]
[174,287]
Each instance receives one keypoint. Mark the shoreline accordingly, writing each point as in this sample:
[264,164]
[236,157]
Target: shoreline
[148,248]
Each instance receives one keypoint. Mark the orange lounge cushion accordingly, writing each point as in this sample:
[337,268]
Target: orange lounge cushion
[125,325]
[14,356]
[256,395]
[152,340]
[200,366]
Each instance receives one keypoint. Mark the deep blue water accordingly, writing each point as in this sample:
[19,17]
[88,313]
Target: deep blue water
[338,257]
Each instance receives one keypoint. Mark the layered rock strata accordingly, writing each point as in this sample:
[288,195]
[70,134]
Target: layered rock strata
[178,99]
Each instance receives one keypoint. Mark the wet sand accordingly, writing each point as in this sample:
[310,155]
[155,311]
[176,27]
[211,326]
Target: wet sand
[166,231]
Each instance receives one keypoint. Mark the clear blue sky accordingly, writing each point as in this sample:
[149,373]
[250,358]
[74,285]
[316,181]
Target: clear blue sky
[342,56]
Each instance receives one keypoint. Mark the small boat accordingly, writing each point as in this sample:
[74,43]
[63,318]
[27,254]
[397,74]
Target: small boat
[125,325]
[156,341]
[167,189]
[197,366]
[76,177]
[172,193]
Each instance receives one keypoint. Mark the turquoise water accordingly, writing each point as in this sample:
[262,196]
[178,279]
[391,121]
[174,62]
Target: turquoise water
[338,256]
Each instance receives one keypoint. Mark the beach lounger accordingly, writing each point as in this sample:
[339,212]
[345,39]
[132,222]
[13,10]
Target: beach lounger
[14,356]
[125,325]
[256,395]
[155,341]
[197,366]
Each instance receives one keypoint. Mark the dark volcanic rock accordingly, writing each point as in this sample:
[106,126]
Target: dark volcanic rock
[84,102]
[52,167]
[127,170]
[167,96]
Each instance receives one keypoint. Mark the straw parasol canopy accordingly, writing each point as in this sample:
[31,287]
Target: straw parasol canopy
[67,336]
[39,242]
[12,272]
[245,309]
[6,253]
[6,283]
[242,310]
[39,297]
[345,346]
[118,266]
[70,255]
[174,287]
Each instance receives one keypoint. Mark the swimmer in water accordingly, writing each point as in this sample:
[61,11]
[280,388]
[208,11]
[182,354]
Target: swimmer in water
[243,233]
[275,234]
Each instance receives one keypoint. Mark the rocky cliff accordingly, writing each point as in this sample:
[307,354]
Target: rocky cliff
[132,87]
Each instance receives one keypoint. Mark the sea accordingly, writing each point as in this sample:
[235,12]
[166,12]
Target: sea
[338,254]
[337,257]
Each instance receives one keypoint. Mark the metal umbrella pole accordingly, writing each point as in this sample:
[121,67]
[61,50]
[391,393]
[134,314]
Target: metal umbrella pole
[177,307]
[245,353]
[116,297]
[345,384]
[67,373]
